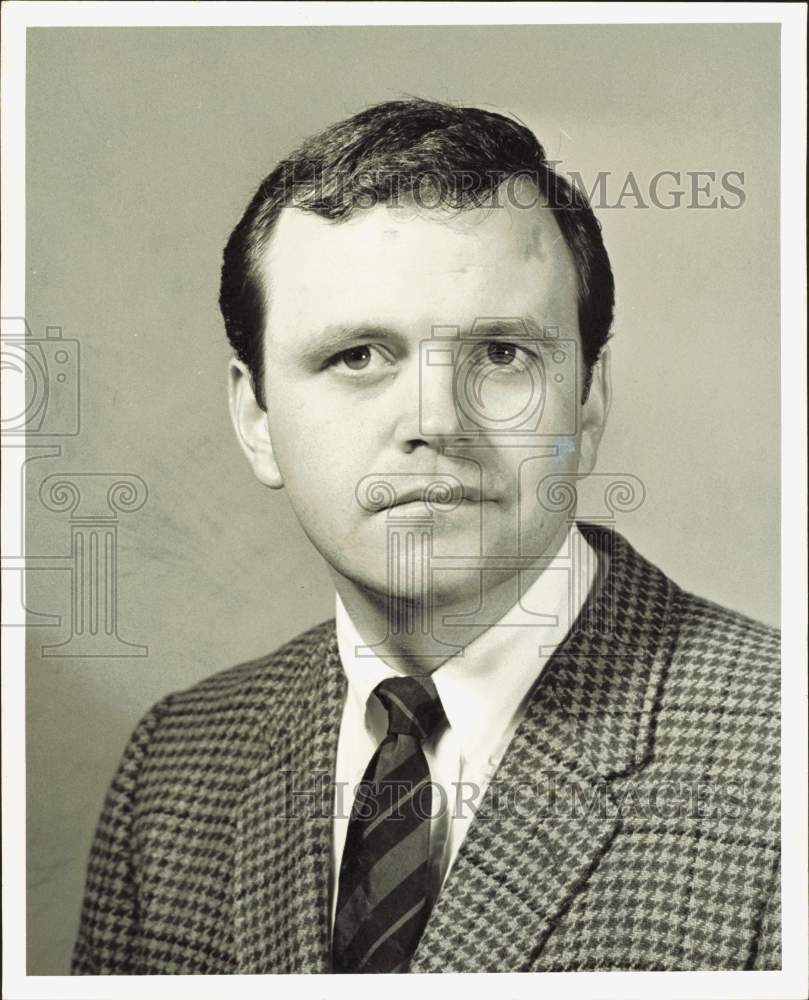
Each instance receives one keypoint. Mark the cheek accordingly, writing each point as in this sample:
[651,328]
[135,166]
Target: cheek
[317,450]
[547,482]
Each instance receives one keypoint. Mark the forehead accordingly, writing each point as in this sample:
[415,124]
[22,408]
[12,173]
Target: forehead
[410,267]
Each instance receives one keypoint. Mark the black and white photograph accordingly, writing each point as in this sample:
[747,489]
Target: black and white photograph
[404,498]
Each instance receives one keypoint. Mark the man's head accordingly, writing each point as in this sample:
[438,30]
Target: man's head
[390,153]
[409,225]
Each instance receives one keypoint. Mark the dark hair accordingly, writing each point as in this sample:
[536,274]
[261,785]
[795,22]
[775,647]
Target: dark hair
[426,151]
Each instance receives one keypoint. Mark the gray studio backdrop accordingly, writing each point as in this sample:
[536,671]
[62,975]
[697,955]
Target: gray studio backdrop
[143,148]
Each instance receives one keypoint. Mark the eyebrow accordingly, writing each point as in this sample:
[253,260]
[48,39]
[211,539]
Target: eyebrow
[516,328]
[334,339]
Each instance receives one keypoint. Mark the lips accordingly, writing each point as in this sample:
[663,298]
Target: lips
[438,491]
[437,495]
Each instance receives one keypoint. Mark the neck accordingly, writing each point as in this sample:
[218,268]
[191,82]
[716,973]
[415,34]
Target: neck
[416,637]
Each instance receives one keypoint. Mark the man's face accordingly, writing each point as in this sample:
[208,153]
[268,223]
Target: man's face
[354,388]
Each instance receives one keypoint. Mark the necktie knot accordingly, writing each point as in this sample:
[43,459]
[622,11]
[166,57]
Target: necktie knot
[412,704]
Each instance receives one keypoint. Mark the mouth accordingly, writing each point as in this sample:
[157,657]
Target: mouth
[440,492]
[438,497]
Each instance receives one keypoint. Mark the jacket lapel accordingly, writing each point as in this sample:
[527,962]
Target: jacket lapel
[547,818]
[283,820]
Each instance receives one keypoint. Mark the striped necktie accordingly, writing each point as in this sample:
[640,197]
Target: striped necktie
[387,885]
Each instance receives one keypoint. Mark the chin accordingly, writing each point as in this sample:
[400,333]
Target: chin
[458,589]
[467,589]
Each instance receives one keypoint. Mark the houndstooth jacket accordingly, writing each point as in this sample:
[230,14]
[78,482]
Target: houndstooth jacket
[632,824]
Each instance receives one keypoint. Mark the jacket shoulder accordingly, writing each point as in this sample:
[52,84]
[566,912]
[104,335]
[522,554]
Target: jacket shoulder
[166,828]
[217,722]
[722,699]
[260,675]
[710,611]
[714,638]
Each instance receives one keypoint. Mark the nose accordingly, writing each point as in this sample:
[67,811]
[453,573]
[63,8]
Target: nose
[429,414]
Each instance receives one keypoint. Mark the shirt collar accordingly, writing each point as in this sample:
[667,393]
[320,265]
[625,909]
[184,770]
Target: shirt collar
[362,668]
[482,687]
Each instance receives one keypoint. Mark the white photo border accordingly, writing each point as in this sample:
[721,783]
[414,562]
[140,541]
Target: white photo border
[791,981]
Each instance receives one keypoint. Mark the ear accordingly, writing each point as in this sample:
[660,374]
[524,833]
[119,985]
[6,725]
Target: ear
[251,424]
[594,413]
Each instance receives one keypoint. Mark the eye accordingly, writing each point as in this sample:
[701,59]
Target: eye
[356,358]
[367,359]
[502,358]
[501,354]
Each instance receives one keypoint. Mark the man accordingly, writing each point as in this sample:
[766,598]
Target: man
[519,746]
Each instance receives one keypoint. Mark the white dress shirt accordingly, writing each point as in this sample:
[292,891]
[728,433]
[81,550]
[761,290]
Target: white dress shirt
[483,691]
